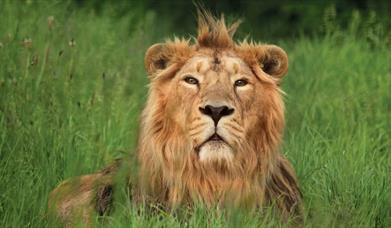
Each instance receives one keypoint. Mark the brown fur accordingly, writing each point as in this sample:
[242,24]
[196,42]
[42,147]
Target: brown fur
[251,173]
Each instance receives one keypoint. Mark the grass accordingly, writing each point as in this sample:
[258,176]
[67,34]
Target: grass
[72,85]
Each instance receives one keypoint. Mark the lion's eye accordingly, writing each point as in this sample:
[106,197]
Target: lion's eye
[240,82]
[191,80]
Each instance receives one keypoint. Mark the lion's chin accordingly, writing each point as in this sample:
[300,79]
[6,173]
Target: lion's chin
[213,151]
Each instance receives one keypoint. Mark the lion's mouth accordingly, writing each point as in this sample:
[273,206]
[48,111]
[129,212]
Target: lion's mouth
[215,138]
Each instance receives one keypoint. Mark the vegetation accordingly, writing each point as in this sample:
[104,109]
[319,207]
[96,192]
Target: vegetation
[72,85]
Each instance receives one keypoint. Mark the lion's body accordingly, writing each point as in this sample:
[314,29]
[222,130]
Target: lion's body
[203,139]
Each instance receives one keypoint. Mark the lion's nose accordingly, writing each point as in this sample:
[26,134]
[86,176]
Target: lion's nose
[216,113]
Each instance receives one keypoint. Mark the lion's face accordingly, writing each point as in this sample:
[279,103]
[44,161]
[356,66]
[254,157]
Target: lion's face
[222,101]
[216,100]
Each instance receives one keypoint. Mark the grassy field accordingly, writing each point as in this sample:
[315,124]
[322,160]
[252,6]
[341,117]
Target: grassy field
[72,85]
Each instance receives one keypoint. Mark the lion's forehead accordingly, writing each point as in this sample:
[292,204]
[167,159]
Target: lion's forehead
[204,64]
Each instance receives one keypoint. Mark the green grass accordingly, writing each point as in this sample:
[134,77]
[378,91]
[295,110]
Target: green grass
[69,107]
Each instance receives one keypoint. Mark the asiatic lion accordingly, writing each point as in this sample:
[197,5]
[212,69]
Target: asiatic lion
[210,130]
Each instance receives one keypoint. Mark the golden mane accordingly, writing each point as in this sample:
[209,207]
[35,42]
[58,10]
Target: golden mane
[162,142]
[213,33]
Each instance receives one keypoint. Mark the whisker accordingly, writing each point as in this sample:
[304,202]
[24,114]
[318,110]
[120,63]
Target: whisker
[236,121]
[197,126]
[234,127]
[196,118]
[236,135]
[196,133]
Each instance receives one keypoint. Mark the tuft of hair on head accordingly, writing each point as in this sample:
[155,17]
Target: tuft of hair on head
[214,32]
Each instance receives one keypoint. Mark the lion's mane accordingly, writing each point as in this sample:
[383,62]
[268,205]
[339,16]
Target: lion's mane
[170,177]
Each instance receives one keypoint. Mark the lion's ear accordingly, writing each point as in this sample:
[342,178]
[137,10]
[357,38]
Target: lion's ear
[274,61]
[156,58]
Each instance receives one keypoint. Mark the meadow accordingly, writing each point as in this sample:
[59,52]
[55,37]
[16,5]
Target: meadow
[72,85]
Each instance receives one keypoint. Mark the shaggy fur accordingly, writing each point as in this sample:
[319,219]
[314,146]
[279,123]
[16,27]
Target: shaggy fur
[178,165]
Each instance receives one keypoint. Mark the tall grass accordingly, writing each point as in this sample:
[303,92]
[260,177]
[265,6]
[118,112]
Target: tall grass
[72,85]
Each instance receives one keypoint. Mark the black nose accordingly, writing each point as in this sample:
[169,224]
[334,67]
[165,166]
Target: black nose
[216,112]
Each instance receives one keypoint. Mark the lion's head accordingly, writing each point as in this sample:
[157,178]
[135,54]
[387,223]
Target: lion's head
[214,120]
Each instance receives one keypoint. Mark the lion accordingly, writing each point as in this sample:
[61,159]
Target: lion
[210,131]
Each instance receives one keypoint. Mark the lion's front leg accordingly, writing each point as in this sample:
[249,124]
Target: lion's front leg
[73,200]
[282,190]
[78,200]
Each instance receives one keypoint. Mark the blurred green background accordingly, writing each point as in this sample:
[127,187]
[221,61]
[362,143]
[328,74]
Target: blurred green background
[72,85]
[264,19]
